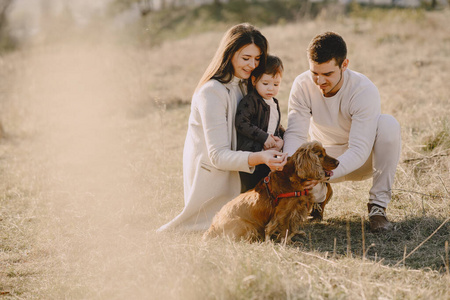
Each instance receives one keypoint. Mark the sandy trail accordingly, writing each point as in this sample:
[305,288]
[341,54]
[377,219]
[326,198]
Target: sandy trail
[76,109]
[93,166]
[76,106]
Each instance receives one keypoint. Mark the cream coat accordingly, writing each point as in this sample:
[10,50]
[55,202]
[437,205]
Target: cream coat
[210,163]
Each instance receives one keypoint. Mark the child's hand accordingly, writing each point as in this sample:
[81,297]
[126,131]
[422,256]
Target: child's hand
[277,143]
[270,142]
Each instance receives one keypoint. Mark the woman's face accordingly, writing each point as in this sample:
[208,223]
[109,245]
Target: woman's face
[245,60]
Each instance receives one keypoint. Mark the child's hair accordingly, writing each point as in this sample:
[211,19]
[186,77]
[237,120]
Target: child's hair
[274,66]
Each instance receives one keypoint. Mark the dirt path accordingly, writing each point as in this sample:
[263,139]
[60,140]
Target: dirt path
[68,121]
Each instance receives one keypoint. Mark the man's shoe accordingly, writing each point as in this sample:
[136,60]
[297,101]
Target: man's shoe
[377,218]
[318,208]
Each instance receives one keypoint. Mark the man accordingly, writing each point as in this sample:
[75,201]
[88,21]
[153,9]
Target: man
[341,109]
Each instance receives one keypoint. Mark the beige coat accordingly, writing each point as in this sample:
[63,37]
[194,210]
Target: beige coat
[210,163]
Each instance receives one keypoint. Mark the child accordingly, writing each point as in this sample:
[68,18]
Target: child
[258,118]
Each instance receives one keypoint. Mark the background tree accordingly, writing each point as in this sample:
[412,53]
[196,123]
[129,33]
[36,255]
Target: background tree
[5,39]
[4,7]
[144,6]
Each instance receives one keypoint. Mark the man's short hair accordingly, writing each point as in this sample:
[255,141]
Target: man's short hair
[326,46]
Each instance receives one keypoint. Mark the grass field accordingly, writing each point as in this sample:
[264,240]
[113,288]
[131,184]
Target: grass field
[91,166]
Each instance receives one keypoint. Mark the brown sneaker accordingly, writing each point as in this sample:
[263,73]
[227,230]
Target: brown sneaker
[377,218]
[318,208]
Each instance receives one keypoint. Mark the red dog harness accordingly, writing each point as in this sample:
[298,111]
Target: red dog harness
[284,195]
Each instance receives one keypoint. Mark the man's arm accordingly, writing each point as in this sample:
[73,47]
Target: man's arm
[365,110]
[299,116]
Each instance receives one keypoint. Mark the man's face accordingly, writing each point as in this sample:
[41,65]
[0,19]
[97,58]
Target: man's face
[328,76]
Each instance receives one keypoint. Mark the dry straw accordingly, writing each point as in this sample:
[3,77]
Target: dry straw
[446,258]
[349,242]
[420,245]
[363,239]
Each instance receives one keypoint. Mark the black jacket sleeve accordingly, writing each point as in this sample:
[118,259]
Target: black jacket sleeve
[245,122]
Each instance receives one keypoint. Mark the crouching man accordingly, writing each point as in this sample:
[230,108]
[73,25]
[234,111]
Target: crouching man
[341,109]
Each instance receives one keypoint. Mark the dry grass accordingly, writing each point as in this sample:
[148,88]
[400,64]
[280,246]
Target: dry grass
[91,166]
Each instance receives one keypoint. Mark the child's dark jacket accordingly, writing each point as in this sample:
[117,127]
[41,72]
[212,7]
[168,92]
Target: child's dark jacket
[252,121]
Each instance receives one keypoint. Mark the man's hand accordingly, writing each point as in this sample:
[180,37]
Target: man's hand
[309,184]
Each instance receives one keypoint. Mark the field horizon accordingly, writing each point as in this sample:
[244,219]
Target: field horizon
[91,166]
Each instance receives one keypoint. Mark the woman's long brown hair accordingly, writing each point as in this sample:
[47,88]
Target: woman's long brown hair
[238,36]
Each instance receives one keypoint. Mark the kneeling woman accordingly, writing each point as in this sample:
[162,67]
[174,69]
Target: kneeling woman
[211,163]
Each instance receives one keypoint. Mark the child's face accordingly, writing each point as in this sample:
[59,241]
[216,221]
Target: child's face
[267,86]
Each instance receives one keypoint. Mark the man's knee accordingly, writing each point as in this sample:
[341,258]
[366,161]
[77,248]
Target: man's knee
[389,129]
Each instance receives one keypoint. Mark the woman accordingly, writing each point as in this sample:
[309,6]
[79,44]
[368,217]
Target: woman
[211,163]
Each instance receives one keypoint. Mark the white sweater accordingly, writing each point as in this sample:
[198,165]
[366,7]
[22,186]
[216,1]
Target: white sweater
[346,120]
[273,116]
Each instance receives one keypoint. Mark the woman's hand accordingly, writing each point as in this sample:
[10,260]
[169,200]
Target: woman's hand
[275,160]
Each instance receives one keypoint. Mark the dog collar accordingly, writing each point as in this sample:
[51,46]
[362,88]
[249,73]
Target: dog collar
[284,195]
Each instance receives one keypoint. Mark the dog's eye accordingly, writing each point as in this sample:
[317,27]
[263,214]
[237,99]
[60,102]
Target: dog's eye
[320,155]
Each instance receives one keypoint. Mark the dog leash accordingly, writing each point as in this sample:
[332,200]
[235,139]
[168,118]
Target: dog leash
[284,195]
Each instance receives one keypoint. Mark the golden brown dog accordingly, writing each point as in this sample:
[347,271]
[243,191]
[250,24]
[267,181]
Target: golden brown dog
[279,204]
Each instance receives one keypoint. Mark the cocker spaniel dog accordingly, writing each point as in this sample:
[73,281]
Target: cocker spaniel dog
[278,205]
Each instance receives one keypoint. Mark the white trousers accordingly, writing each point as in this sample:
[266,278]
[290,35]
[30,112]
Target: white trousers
[381,165]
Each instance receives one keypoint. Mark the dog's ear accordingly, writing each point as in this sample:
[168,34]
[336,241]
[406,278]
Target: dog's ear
[307,164]
[289,167]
